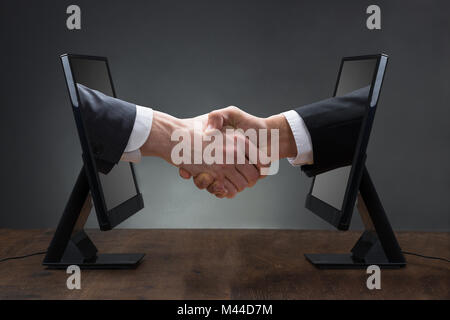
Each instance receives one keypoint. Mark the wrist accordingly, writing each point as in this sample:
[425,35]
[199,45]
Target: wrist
[287,145]
[159,143]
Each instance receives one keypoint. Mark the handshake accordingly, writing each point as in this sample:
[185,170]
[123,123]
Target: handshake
[224,151]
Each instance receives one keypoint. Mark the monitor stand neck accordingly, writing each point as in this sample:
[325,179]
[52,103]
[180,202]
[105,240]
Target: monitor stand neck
[376,246]
[72,246]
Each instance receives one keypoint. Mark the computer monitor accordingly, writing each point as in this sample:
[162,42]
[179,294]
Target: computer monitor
[116,195]
[333,193]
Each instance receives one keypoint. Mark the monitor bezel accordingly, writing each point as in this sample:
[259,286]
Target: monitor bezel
[107,219]
[341,218]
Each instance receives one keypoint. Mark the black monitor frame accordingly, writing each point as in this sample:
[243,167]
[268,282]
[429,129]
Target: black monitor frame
[378,244]
[341,218]
[107,219]
[70,244]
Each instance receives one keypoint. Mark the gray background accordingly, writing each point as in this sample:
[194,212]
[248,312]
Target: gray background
[187,57]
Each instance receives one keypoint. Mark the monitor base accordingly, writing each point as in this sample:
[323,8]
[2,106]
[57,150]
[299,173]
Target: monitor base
[71,245]
[101,261]
[377,244]
[346,261]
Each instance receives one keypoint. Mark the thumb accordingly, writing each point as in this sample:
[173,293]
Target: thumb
[215,121]
[219,119]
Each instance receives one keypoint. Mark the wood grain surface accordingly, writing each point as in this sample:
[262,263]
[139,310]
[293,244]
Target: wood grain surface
[223,264]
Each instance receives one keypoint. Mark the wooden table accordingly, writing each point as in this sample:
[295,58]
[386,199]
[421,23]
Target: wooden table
[223,264]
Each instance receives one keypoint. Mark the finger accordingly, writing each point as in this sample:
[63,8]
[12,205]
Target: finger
[184,173]
[215,121]
[203,180]
[252,153]
[240,153]
[249,172]
[232,191]
[218,119]
[236,178]
[218,189]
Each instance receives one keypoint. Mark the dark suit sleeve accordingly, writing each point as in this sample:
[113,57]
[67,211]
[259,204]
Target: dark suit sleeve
[334,126]
[109,122]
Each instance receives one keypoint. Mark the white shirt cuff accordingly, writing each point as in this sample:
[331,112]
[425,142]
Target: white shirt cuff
[302,139]
[139,134]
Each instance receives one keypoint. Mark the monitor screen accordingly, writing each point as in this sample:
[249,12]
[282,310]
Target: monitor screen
[330,186]
[118,185]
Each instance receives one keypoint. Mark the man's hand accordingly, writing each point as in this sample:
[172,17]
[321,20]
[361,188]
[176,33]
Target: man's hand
[236,118]
[223,180]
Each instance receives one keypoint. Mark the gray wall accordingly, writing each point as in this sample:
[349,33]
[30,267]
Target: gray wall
[188,57]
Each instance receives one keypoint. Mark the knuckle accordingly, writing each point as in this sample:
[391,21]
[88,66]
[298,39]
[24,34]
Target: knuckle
[233,109]
[213,114]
